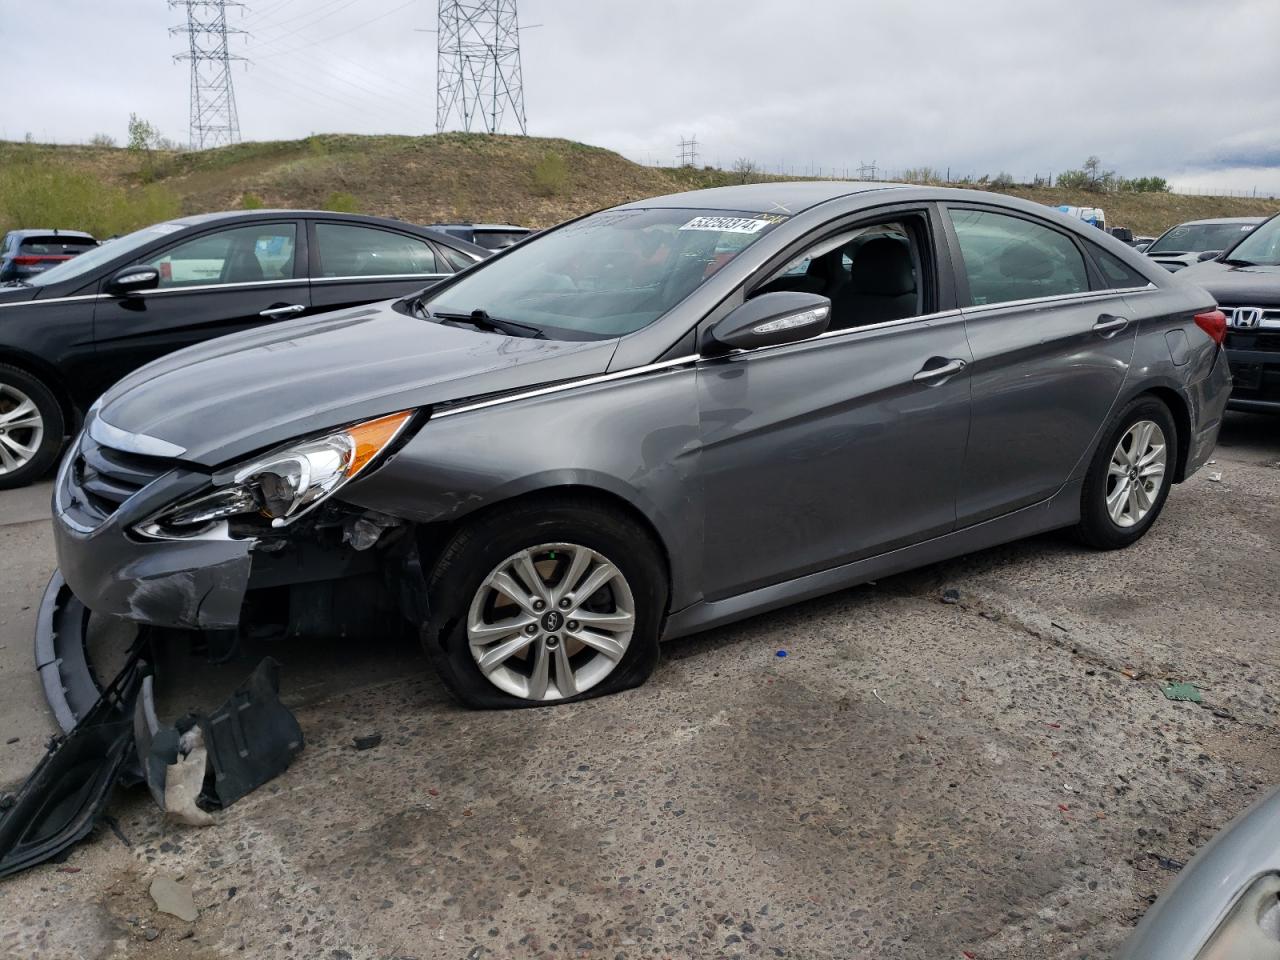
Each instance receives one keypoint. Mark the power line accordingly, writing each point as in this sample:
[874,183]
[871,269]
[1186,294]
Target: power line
[478,76]
[214,121]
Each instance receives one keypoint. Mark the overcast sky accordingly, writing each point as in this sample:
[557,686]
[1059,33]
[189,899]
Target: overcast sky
[1186,89]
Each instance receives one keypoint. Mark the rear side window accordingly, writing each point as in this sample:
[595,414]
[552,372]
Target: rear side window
[55,246]
[1115,271]
[239,255]
[347,250]
[1007,258]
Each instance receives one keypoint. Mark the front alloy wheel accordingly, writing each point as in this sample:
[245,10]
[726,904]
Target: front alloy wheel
[551,622]
[548,599]
[1136,473]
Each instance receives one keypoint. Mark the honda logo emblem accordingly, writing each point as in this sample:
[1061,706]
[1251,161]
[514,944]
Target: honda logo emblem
[1246,318]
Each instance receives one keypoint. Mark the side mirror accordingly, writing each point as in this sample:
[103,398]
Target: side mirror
[132,280]
[784,316]
[1208,255]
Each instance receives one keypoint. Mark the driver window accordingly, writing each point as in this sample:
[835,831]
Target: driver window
[870,274]
[239,255]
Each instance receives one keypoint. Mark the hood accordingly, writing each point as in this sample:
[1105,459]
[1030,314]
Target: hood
[1236,286]
[235,395]
[16,293]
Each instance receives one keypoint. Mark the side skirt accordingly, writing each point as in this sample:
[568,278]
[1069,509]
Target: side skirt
[1060,510]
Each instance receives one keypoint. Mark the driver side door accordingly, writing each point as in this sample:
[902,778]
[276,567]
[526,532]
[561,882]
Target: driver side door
[841,447]
[218,282]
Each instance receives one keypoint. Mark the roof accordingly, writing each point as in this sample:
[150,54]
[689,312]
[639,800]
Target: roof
[479,226]
[783,196]
[51,232]
[1224,220]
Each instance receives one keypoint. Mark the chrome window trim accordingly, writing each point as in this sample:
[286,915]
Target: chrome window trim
[384,276]
[197,287]
[117,439]
[568,385]
[694,359]
[29,303]
[1060,298]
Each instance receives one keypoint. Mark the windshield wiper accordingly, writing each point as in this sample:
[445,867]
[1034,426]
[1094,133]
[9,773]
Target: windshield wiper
[1232,261]
[16,283]
[481,320]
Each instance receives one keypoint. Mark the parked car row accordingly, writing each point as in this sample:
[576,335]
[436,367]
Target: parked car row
[69,332]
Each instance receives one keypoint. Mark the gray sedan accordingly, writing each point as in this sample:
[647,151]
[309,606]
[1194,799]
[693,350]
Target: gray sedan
[644,423]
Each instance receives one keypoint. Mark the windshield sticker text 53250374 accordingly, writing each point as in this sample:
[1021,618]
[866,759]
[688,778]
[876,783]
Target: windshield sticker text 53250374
[727,224]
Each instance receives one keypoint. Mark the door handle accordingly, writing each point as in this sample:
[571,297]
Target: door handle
[282,311]
[938,373]
[1109,326]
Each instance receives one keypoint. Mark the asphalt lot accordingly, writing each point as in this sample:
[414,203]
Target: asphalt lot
[1000,776]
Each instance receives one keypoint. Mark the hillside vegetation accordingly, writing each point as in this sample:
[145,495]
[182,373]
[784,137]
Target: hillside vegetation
[524,180]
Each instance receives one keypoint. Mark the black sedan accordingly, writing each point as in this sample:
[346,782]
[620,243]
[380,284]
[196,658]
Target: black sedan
[69,333]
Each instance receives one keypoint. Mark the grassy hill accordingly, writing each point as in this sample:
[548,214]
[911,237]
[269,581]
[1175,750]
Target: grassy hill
[451,176]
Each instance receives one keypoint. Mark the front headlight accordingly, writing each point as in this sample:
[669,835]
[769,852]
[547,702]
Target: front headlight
[286,483]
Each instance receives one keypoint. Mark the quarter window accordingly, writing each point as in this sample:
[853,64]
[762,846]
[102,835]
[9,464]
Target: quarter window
[1118,274]
[239,255]
[351,251]
[1008,258]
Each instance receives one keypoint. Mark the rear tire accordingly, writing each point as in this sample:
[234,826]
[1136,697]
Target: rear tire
[1130,476]
[31,428]
[557,545]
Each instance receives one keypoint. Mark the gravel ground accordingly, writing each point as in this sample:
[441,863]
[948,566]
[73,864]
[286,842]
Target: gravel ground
[995,778]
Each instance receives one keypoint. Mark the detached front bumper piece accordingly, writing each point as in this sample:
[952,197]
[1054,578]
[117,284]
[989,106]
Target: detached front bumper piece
[65,794]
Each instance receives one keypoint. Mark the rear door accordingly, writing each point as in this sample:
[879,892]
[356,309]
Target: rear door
[354,263]
[1051,350]
[218,282]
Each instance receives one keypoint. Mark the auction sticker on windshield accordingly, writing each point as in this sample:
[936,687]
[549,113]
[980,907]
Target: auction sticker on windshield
[728,224]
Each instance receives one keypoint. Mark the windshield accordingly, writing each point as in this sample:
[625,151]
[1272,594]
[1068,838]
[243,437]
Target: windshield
[90,260]
[1261,247]
[1199,237]
[606,275]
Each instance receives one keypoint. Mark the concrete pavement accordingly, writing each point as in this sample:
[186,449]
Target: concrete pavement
[914,779]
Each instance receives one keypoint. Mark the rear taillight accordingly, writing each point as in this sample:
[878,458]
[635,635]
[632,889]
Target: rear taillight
[1214,323]
[31,261]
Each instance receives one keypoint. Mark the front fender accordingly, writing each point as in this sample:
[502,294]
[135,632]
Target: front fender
[636,438]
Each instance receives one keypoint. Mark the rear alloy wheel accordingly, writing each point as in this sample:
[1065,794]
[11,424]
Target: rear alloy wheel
[30,428]
[543,602]
[1130,476]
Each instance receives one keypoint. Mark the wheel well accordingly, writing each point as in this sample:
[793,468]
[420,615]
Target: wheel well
[1182,419]
[434,536]
[49,377]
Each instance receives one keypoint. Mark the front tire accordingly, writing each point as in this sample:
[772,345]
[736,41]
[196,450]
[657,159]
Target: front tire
[1130,476]
[546,602]
[31,428]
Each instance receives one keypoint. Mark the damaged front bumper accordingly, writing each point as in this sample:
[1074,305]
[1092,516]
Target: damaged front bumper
[194,584]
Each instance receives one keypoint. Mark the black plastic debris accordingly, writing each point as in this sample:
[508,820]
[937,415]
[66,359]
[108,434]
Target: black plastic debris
[251,738]
[69,788]
[367,742]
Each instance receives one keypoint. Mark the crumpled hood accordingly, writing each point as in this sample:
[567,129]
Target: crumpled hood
[232,396]
[1236,286]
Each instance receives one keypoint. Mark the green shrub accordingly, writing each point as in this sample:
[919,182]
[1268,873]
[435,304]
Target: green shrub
[251,201]
[340,202]
[550,175]
[43,196]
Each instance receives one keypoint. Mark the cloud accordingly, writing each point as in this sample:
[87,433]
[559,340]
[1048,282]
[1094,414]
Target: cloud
[1169,87]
